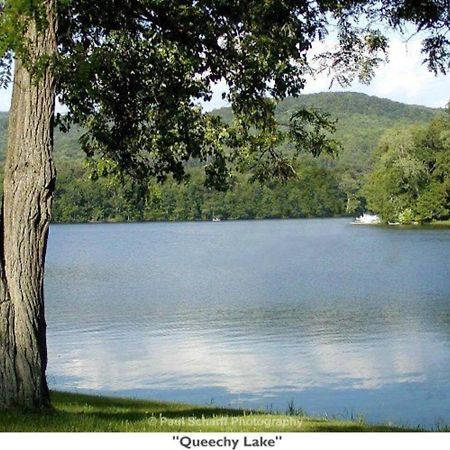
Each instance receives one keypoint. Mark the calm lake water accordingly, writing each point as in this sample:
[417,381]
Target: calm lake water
[342,320]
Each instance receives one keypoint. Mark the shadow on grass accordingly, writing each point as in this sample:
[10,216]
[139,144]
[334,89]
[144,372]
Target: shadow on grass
[75,412]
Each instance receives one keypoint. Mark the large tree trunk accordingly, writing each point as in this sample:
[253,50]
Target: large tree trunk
[28,186]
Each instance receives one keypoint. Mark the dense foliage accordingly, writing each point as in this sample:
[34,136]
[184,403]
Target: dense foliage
[133,72]
[324,186]
[132,75]
[315,193]
[410,181]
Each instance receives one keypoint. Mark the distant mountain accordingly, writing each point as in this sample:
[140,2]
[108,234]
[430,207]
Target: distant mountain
[351,103]
[362,119]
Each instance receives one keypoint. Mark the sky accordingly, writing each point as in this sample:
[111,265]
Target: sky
[404,78]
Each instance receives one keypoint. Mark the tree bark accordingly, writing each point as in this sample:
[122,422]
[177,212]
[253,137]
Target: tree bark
[28,186]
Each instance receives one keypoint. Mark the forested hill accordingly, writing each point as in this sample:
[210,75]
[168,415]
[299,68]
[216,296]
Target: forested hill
[342,104]
[362,119]
[324,187]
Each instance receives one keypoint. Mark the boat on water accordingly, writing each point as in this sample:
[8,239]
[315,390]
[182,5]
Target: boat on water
[216,219]
[367,219]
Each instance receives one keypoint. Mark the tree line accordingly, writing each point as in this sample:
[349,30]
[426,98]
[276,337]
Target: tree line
[410,180]
[314,193]
[406,180]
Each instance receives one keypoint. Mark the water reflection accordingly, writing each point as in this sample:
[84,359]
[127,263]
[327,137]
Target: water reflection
[334,317]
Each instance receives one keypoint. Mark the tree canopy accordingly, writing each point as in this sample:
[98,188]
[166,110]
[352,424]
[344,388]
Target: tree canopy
[411,180]
[132,74]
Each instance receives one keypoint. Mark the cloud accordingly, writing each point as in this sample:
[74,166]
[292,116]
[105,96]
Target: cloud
[404,78]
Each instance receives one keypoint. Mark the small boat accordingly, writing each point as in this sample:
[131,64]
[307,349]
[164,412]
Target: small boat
[216,219]
[367,219]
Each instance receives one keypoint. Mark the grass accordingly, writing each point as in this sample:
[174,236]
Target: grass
[75,412]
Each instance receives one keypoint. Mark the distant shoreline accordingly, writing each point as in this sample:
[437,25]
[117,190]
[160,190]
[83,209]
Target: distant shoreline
[199,220]
[433,224]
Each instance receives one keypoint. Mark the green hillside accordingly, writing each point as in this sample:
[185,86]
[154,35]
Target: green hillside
[362,120]
[344,104]
[324,187]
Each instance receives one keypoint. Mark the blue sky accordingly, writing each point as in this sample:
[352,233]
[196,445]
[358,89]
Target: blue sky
[404,78]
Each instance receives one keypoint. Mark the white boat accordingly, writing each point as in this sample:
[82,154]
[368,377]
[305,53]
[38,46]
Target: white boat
[216,219]
[367,219]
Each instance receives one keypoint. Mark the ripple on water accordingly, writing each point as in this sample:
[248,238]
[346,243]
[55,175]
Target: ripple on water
[333,317]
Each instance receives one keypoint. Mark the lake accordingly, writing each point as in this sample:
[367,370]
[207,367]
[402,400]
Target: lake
[341,320]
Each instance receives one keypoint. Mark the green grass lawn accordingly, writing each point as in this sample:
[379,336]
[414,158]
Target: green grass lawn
[75,412]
